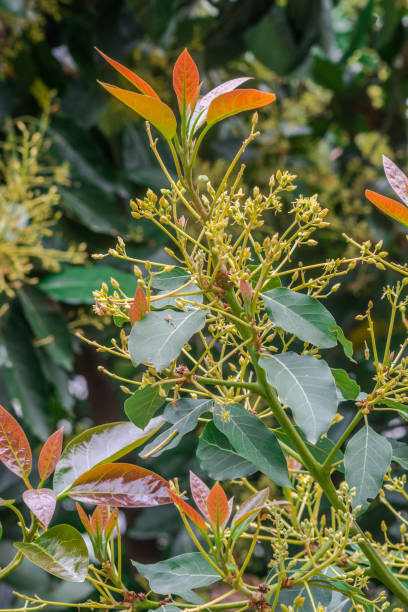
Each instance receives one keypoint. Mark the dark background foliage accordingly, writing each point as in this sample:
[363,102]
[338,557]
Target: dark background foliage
[339,69]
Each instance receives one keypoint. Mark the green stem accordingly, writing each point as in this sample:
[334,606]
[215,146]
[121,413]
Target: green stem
[349,429]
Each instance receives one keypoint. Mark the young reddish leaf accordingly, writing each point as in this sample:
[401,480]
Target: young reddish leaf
[252,506]
[130,76]
[396,178]
[185,80]
[156,112]
[99,518]
[84,519]
[15,451]
[245,290]
[390,207]
[50,454]
[41,503]
[110,525]
[230,506]
[217,505]
[200,492]
[237,101]
[189,510]
[120,484]
[138,308]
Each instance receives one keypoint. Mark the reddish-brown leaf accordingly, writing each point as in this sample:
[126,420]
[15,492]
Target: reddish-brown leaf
[110,525]
[84,519]
[120,484]
[50,454]
[130,76]
[200,492]
[99,518]
[217,505]
[138,308]
[15,451]
[390,207]
[186,80]
[189,510]
[396,178]
[155,111]
[237,101]
[42,503]
[246,290]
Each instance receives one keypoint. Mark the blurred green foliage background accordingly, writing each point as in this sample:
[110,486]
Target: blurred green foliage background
[71,158]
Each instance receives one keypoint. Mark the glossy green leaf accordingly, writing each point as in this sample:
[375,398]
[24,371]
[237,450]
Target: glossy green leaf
[101,444]
[306,385]
[348,387]
[399,407]
[60,551]
[183,416]
[345,343]
[301,315]
[159,337]
[399,453]
[366,460]
[253,441]
[218,458]
[144,403]
[42,503]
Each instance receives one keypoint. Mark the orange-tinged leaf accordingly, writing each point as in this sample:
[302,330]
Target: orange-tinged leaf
[390,207]
[155,111]
[15,451]
[131,76]
[42,503]
[110,525]
[189,510]
[200,492]
[237,101]
[186,79]
[99,518]
[50,454]
[84,519]
[217,505]
[138,308]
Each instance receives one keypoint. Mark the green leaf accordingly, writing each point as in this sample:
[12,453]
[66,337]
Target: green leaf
[143,404]
[60,551]
[320,450]
[319,595]
[170,281]
[399,453]
[217,457]
[399,407]
[271,283]
[301,315]
[98,445]
[253,441]
[366,460]
[159,337]
[306,385]
[48,323]
[346,344]
[348,387]
[178,575]
[75,285]
[183,415]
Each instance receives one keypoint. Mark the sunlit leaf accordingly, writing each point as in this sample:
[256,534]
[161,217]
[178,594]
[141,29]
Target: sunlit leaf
[217,505]
[130,76]
[156,112]
[15,451]
[144,403]
[189,511]
[390,207]
[237,101]
[200,492]
[42,503]
[348,387]
[84,519]
[50,454]
[99,518]
[185,79]
[138,308]
[396,178]
[123,485]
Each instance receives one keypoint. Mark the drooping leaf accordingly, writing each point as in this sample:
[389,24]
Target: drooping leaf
[178,575]
[348,387]
[252,506]
[143,404]
[253,441]
[301,315]
[185,80]
[15,451]
[396,178]
[200,493]
[159,337]
[42,503]
[366,460]
[50,454]
[98,445]
[237,101]
[218,458]
[217,505]
[60,551]
[345,343]
[189,511]
[130,76]
[123,485]
[153,110]
[390,207]
[183,415]
[306,385]
[138,308]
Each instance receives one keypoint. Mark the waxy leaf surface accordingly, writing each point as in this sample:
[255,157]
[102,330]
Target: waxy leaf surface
[143,404]
[130,76]
[189,511]
[123,485]
[155,111]
[237,101]
[200,493]
[15,451]
[390,207]
[301,315]
[101,444]
[50,454]
[347,386]
[42,503]
[306,385]
[396,178]
[60,551]
[185,79]
[138,308]
[217,505]
[218,458]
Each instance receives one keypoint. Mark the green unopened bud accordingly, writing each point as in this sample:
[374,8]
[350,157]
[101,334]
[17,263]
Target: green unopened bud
[299,601]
